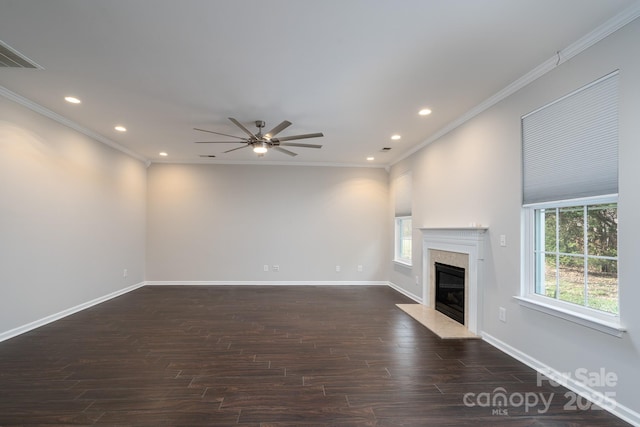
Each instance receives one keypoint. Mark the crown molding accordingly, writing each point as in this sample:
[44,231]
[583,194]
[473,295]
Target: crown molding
[270,163]
[599,33]
[25,102]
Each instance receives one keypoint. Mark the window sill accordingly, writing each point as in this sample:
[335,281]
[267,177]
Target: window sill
[402,263]
[611,328]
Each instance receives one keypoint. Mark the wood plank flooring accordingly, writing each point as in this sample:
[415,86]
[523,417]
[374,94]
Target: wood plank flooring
[269,356]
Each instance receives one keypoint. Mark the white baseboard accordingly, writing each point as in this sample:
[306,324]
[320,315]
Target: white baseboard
[52,318]
[64,313]
[264,283]
[405,292]
[617,409]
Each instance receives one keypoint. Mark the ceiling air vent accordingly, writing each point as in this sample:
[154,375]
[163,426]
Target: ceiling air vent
[385,149]
[11,58]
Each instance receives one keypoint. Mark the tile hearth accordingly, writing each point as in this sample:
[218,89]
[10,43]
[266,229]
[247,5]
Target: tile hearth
[438,323]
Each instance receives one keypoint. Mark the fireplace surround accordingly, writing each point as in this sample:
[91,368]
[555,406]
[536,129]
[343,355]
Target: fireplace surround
[458,247]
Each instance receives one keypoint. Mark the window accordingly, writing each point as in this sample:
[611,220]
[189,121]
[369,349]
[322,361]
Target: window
[402,187]
[570,213]
[576,255]
[403,240]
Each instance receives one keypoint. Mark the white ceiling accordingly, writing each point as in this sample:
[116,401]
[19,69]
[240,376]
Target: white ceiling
[356,70]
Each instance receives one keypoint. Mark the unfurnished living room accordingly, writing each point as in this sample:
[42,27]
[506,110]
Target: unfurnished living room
[287,213]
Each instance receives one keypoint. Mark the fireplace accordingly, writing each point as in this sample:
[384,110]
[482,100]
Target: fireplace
[461,247]
[449,292]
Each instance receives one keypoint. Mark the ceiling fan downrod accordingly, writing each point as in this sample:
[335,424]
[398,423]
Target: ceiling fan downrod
[260,124]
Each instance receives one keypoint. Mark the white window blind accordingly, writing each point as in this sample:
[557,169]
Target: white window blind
[402,195]
[570,147]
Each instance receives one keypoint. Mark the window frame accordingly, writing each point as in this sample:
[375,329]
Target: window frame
[397,257]
[596,319]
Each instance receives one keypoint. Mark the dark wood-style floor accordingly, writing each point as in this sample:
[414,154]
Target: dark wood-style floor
[262,356]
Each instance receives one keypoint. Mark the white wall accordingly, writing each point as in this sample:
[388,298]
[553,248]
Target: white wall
[72,217]
[224,222]
[473,174]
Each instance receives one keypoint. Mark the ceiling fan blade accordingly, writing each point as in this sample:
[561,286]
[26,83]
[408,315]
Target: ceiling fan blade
[276,130]
[218,133]
[282,150]
[220,142]
[292,137]
[244,129]
[234,149]
[295,144]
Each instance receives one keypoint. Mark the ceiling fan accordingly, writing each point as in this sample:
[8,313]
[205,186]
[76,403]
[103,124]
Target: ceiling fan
[261,143]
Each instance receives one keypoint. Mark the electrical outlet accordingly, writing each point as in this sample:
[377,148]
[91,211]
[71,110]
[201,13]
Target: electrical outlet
[502,314]
[359,268]
[417,280]
[265,267]
[503,240]
[275,267]
[338,269]
[125,273]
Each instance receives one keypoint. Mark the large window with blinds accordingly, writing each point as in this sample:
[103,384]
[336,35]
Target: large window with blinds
[570,193]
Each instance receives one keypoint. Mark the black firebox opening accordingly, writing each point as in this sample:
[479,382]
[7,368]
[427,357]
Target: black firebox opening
[450,291]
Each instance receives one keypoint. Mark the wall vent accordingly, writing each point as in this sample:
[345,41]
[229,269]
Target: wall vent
[11,58]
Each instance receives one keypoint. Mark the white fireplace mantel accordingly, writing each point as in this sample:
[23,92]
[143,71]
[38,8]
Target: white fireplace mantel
[463,240]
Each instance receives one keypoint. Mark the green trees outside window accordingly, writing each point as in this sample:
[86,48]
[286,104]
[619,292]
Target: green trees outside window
[576,255]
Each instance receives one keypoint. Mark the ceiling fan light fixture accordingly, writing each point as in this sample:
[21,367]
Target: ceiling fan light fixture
[260,148]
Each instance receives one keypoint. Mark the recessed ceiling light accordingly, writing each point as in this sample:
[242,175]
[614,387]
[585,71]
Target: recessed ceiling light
[424,112]
[163,154]
[371,158]
[395,137]
[72,99]
[120,128]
